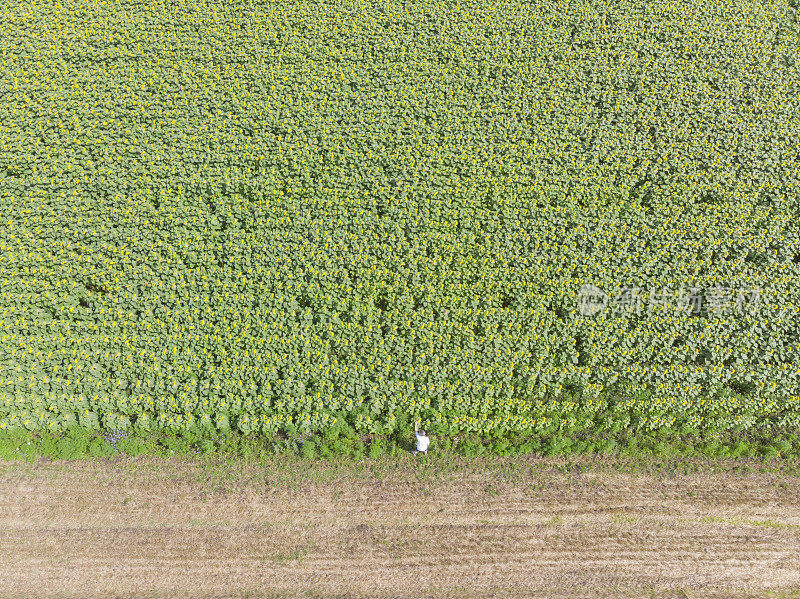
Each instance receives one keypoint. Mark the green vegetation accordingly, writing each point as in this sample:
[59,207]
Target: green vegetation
[315,224]
[81,443]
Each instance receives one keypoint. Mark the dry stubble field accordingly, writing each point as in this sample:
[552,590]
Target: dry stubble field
[489,527]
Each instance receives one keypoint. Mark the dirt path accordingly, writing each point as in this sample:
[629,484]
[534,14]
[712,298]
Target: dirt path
[519,528]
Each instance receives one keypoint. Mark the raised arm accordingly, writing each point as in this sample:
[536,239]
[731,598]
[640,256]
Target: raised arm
[415,426]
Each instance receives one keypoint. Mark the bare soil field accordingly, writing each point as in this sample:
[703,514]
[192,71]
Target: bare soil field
[481,527]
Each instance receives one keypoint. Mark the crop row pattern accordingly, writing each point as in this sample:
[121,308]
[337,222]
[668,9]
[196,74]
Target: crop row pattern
[269,214]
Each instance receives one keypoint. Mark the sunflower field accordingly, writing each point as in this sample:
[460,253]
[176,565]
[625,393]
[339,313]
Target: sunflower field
[491,217]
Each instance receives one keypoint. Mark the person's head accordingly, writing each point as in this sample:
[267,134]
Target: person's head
[422,432]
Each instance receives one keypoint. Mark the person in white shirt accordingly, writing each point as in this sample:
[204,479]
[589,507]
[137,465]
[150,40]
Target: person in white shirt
[422,441]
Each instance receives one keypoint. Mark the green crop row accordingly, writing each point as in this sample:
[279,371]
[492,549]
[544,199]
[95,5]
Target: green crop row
[494,218]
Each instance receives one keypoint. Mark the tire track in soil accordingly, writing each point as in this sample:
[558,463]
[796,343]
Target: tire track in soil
[77,531]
